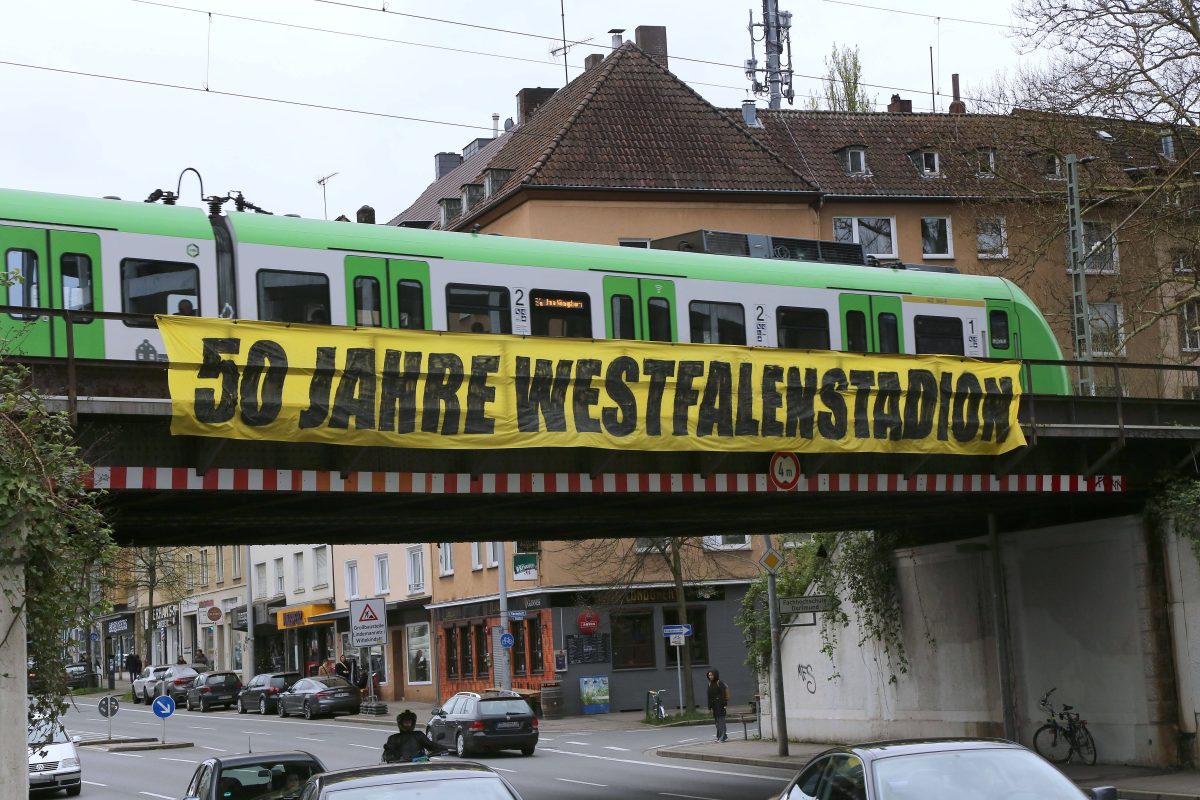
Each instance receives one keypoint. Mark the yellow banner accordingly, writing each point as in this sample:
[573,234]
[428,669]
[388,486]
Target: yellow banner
[393,388]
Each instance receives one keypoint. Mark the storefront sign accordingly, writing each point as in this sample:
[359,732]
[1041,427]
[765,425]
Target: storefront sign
[166,616]
[301,616]
[116,627]
[525,567]
[589,621]
[214,614]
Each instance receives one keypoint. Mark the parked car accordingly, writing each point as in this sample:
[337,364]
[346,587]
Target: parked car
[263,690]
[210,689]
[175,682]
[471,722]
[145,685]
[428,780]
[982,769]
[258,775]
[53,760]
[80,676]
[315,696]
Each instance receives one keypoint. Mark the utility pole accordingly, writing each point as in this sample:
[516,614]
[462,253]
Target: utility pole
[780,719]
[776,36]
[502,578]
[1081,322]
[321,182]
[248,666]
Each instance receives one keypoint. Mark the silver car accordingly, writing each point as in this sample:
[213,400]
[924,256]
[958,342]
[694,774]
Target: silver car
[53,760]
[145,685]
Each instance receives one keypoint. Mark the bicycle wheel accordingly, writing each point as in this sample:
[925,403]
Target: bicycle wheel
[1085,746]
[1052,744]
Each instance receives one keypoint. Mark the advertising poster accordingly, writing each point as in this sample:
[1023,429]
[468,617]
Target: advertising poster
[593,694]
[525,567]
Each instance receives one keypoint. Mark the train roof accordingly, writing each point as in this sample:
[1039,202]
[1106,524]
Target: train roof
[93,212]
[420,243]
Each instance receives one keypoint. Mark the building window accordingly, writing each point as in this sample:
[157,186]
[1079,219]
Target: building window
[717,323]
[697,643]
[352,579]
[416,635]
[633,639]
[1189,326]
[537,655]
[1106,321]
[383,581]
[1052,166]
[1099,247]
[279,585]
[986,163]
[1181,261]
[735,542]
[519,662]
[156,287]
[237,563]
[260,580]
[641,243]
[450,208]
[873,233]
[189,575]
[293,296]
[854,162]
[220,562]
[204,568]
[298,570]
[1166,145]
[495,178]
[926,162]
[451,635]
[477,309]
[651,544]
[528,546]
[492,559]
[936,241]
[476,556]
[416,569]
[991,238]
[320,566]
[445,558]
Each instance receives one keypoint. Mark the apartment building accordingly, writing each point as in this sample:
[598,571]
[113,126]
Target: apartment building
[292,586]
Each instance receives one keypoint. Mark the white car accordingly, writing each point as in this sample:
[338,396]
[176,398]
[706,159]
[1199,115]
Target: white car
[53,759]
[145,686]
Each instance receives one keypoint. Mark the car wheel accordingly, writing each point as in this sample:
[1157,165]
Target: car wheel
[203,706]
[73,791]
[241,706]
[262,706]
[308,714]
[279,709]
[460,746]
[136,699]
[526,751]
[188,704]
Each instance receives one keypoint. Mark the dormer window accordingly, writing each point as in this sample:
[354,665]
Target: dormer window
[451,207]
[987,162]
[472,195]
[854,160]
[926,161]
[493,179]
[1166,145]
[1052,166]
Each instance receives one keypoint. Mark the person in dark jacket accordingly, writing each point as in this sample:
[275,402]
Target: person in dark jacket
[718,700]
[129,666]
[342,668]
[409,743]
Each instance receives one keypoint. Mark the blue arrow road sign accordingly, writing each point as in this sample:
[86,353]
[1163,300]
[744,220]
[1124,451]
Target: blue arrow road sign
[675,630]
[507,640]
[163,706]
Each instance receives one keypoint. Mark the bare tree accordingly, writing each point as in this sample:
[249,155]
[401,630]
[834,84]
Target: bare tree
[162,573]
[842,89]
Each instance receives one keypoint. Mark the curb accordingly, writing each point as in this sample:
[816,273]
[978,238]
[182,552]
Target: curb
[107,742]
[155,745]
[1134,794]
[747,761]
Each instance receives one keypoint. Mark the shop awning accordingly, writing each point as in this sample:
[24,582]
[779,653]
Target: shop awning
[301,616]
[393,605]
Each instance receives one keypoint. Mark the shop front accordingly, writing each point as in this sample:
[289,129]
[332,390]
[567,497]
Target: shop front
[167,644]
[269,641]
[119,641]
[307,642]
[467,640]
[401,666]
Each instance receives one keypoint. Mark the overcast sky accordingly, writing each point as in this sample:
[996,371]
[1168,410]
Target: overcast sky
[75,134]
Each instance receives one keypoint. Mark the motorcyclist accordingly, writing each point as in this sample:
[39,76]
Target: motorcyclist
[409,743]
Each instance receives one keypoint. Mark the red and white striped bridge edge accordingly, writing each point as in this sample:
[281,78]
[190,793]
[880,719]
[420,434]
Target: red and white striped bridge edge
[296,480]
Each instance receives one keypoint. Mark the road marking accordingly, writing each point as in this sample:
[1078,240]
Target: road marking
[546,739]
[585,744]
[694,738]
[621,749]
[659,765]
[126,755]
[93,719]
[135,722]
[585,783]
[367,746]
[214,749]
[198,728]
[257,733]
[152,794]
[93,783]
[687,796]
[309,739]
[180,760]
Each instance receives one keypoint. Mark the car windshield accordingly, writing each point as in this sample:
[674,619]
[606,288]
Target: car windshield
[334,682]
[437,789]
[284,680]
[46,732]
[503,706]
[989,774]
[223,679]
[268,779]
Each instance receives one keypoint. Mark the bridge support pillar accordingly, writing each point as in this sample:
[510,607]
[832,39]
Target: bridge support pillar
[14,763]
[1004,657]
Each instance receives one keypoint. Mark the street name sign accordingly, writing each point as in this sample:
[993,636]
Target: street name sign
[677,630]
[109,706]
[368,622]
[812,604]
[516,613]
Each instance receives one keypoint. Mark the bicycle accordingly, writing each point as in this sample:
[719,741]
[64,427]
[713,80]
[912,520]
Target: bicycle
[657,710]
[1057,742]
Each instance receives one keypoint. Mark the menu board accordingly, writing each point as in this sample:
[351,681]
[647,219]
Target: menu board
[589,649]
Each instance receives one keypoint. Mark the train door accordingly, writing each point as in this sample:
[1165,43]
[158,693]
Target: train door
[387,293]
[639,308]
[76,284]
[1003,336]
[27,269]
[871,323]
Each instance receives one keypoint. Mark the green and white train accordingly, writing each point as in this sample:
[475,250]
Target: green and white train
[86,254]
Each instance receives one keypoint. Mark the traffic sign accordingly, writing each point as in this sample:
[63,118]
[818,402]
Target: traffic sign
[677,630]
[163,706]
[812,604]
[368,622]
[784,472]
[109,706]
[771,560]
[95,637]
[678,640]
[507,640]
[516,613]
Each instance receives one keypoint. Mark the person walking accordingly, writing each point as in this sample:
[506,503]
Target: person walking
[129,666]
[342,668]
[718,701]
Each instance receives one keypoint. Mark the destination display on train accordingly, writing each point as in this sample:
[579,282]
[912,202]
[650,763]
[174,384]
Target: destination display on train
[396,388]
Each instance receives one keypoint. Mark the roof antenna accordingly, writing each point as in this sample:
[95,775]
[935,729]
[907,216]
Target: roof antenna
[322,182]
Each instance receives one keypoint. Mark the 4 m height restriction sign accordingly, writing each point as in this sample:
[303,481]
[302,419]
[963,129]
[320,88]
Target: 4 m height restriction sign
[368,622]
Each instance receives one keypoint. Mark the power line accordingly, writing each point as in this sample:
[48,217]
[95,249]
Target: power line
[920,14]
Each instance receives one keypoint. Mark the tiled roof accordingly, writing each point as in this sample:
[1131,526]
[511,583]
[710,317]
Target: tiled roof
[426,208]
[627,123]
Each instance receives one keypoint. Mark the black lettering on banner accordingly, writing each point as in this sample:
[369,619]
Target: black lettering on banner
[831,424]
[685,395]
[584,395]
[398,392]
[542,391]
[746,425]
[355,395]
[945,399]
[318,389]
[658,370]
[801,399]
[968,396]
[480,393]
[257,412]
[772,400]
[887,407]
[444,378]
[997,405]
[207,408]
[621,372]
[862,380]
[716,409]
[920,402]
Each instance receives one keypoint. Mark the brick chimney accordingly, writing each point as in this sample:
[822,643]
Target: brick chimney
[529,101]
[957,106]
[898,106]
[652,39]
[366,215]
[593,60]
[443,163]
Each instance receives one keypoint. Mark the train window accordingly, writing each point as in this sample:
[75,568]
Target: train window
[293,296]
[622,317]
[560,314]
[368,310]
[158,287]
[22,268]
[410,305]
[889,333]
[717,323]
[802,328]
[856,332]
[941,335]
[998,324]
[658,319]
[75,272]
[477,309]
